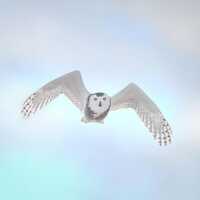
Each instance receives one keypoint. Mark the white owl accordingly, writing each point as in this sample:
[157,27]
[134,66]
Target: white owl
[95,106]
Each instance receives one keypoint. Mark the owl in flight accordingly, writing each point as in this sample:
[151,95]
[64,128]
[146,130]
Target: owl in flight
[96,106]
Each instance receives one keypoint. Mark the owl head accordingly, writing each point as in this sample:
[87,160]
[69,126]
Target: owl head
[99,103]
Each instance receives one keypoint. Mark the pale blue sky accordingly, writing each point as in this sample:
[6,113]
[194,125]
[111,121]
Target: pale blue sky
[54,155]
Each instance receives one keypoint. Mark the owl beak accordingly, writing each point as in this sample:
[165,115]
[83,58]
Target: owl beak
[100,104]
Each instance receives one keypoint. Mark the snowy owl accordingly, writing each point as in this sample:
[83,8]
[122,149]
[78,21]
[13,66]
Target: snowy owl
[96,106]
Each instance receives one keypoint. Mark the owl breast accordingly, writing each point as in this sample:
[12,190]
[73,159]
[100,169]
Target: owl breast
[92,115]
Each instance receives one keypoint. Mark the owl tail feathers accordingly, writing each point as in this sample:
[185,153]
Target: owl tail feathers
[84,120]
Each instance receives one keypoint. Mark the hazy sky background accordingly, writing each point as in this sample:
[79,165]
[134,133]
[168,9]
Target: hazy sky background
[154,44]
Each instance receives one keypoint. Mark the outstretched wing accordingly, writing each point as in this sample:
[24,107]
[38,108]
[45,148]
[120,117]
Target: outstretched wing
[70,84]
[133,97]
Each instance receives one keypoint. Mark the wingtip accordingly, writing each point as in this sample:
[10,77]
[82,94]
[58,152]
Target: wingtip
[24,115]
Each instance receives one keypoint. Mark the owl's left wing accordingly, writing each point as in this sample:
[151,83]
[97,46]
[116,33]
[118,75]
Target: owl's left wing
[70,84]
[133,97]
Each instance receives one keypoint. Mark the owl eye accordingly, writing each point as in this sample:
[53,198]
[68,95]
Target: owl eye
[104,98]
[95,98]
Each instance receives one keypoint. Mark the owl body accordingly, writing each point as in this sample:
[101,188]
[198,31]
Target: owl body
[97,107]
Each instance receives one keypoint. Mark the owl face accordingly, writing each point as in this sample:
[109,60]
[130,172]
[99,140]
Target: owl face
[99,103]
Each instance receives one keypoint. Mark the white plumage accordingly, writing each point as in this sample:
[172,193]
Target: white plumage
[133,97]
[97,105]
[70,84]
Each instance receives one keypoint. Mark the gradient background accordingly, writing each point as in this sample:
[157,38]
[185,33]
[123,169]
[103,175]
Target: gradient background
[153,43]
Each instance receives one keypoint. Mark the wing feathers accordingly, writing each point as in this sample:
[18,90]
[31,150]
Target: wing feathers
[133,97]
[70,84]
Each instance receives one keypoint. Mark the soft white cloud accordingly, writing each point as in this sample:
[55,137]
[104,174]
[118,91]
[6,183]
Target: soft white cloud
[178,21]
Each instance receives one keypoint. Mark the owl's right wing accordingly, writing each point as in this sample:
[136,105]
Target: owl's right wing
[70,84]
[133,97]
